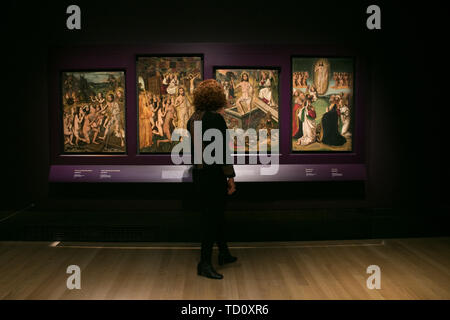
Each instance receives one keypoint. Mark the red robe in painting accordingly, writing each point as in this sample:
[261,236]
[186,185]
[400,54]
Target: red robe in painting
[295,121]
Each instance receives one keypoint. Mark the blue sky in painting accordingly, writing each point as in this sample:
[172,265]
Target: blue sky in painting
[96,77]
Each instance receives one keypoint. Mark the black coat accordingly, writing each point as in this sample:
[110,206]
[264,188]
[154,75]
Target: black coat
[211,120]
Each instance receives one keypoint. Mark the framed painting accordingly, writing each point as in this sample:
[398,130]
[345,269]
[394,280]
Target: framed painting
[93,112]
[165,87]
[322,104]
[253,103]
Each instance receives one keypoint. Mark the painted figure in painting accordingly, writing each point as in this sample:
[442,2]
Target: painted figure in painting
[183,106]
[169,122]
[244,103]
[307,116]
[145,120]
[166,86]
[297,126]
[312,91]
[161,113]
[330,132]
[300,79]
[113,123]
[93,112]
[252,96]
[342,80]
[322,105]
[321,76]
[265,93]
[345,119]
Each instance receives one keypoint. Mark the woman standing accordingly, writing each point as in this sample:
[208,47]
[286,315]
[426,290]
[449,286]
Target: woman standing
[212,182]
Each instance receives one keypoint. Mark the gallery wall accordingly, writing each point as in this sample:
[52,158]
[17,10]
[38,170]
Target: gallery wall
[395,178]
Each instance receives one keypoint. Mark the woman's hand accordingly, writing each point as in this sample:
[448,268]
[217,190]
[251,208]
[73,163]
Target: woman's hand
[231,186]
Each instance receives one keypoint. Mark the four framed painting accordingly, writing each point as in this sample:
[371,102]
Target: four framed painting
[322,105]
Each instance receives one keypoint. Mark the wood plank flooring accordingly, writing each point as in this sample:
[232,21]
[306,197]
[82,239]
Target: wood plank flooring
[410,269]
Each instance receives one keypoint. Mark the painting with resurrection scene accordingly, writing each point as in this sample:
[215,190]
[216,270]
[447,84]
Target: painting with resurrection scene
[253,103]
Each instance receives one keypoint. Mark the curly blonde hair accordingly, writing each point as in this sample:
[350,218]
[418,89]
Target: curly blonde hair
[209,96]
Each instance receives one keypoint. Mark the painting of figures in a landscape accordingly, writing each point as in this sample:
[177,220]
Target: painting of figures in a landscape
[253,103]
[322,104]
[165,89]
[94,112]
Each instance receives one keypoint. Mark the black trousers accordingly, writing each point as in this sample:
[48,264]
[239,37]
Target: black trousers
[211,190]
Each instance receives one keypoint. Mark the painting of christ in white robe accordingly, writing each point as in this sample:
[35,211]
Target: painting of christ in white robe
[252,101]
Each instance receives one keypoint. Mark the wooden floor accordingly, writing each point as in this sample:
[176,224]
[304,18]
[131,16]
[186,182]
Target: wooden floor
[410,269]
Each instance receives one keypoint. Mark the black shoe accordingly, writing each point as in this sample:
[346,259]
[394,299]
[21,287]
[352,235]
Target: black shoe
[226,258]
[207,270]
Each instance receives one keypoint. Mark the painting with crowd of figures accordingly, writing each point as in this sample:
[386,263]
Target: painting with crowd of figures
[253,103]
[94,112]
[322,104]
[165,98]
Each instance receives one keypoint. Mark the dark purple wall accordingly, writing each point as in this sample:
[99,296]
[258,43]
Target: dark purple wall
[402,169]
